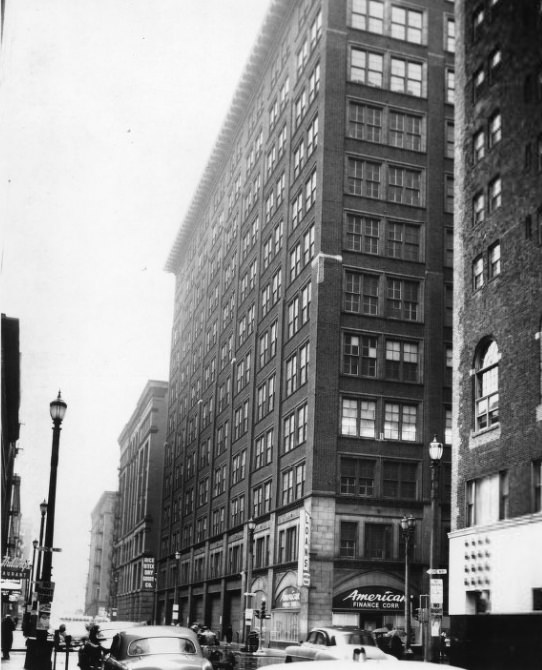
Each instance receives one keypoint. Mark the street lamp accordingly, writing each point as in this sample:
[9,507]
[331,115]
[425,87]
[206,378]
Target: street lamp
[43,510]
[175,614]
[435,454]
[408,525]
[57,409]
[35,545]
[248,585]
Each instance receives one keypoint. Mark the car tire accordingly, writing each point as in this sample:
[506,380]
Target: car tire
[288,659]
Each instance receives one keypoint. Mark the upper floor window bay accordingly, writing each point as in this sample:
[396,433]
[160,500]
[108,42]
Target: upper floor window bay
[486,385]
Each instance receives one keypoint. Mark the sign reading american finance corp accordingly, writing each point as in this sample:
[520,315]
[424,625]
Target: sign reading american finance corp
[370,599]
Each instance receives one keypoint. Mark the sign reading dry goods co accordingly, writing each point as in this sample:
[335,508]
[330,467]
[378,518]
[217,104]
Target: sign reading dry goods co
[370,599]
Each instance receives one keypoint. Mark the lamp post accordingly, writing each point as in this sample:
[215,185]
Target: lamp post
[175,613]
[57,409]
[248,585]
[43,510]
[35,545]
[408,525]
[435,454]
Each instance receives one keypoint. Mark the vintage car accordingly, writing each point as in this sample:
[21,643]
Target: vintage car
[156,648]
[335,642]
[368,664]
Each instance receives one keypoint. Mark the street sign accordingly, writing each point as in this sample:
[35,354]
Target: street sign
[437,571]
[248,615]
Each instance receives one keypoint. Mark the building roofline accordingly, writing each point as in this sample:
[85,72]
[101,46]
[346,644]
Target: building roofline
[245,91]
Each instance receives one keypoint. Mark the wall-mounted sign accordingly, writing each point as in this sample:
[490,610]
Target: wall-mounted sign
[148,572]
[289,598]
[303,564]
[370,599]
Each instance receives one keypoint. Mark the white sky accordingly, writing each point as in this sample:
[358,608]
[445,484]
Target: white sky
[109,110]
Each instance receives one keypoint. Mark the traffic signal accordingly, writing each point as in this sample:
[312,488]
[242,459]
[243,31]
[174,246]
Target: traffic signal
[264,614]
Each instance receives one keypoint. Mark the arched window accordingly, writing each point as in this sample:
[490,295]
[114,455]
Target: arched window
[486,385]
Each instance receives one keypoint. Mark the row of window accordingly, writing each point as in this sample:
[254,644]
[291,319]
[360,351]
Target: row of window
[487,266]
[402,22]
[402,184]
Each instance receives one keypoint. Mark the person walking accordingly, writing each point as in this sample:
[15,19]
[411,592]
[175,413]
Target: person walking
[93,652]
[8,626]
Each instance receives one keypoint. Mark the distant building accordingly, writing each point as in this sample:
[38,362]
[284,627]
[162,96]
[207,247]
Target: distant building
[140,494]
[496,538]
[11,399]
[312,344]
[97,598]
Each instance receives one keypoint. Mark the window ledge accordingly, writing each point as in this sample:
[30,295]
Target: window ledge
[483,437]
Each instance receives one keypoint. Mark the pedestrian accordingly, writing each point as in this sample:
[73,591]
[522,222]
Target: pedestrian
[8,626]
[229,633]
[396,646]
[93,652]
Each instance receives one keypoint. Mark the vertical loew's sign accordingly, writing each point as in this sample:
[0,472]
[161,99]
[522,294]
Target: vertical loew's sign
[303,563]
[148,572]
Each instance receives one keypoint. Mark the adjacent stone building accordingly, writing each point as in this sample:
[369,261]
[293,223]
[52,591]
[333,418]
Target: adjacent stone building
[496,539]
[98,594]
[311,350]
[140,494]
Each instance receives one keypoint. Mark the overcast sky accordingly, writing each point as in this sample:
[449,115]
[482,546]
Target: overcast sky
[109,111]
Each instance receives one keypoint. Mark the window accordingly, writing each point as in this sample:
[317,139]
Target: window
[263,449]
[406,24]
[297,209]
[299,158]
[486,385]
[450,86]
[295,429]
[400,422]
[292,484]
[363,178]
[405,130]
[403,241]
[487,499]
[366,68]
[449,35]
[449,193]
[478,21]
[402,360]
[450,139]
[478,208]
[479,145]
[361,293]
[495,62]
[348,539]
[287,545]
[399,479]
[402,299]
[495,194]
[478,273]
[300,107]
[358,417]
[312,136]
[357,476]
[360,355]
[362,233]
[368,15]
[478,82]
[404,185]
[494,265]
[310,191]
[365,122]
[297,369]
[314,82]
[406,76]
[378,541]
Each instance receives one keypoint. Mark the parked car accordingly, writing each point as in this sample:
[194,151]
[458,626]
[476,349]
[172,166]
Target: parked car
[156,648]
[335,642]
[368,664]
[108,630]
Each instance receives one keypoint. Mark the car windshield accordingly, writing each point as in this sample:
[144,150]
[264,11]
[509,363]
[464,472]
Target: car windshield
[161,645]
[354,637]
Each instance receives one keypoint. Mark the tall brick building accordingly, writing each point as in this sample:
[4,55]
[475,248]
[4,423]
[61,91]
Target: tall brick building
[496,539]
[140,496]
[311,350]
